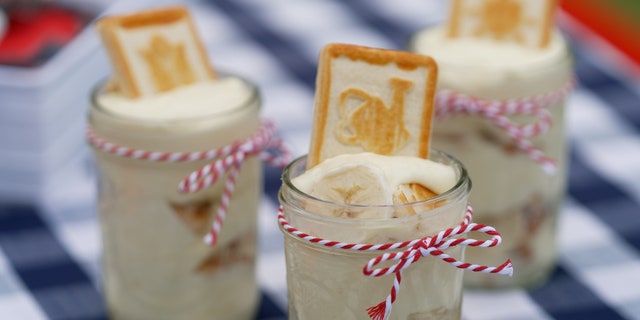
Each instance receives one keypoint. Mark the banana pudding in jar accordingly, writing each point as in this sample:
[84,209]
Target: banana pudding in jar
[504,74]
[361,189]
[163,115]
[371,209]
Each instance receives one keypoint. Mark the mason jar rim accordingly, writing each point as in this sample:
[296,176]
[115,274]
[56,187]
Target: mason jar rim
[460,188]
[250,101]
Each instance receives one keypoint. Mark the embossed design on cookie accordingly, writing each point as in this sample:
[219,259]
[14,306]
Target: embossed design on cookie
[153,51]
[375,126]
[372,100]
[502,19]
[168,64]
[523,22]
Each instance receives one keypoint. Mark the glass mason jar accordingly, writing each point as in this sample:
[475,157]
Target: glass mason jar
[512,191]
[155,263]
[329,281]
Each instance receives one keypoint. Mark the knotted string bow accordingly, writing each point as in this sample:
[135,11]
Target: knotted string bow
[415,249]
[450,103]
[229,159]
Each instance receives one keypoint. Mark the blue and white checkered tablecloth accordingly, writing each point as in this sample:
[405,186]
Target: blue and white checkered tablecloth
[49,256]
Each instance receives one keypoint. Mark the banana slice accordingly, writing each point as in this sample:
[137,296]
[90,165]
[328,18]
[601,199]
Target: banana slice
[356,184]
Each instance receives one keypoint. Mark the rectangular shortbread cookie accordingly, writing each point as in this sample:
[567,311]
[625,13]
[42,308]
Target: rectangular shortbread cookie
[154,51]
[372,100]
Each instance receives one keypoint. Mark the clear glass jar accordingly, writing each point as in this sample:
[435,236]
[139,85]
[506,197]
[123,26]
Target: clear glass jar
[329,281]
[512,192]
[155,263]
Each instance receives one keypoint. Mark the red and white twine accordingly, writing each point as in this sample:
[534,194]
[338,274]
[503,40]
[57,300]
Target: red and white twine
[415,249]
[450,103]
[228,159]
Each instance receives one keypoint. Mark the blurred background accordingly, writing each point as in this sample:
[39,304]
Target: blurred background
[616,21]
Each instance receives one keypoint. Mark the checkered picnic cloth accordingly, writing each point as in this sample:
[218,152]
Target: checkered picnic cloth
[49,257]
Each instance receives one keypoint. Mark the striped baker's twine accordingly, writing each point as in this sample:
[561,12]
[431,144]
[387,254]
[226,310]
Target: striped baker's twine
[450,103]
[415,249]
[228,159]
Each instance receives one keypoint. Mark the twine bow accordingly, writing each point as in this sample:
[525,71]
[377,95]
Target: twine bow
[415,249]
[229,159]
[449,103]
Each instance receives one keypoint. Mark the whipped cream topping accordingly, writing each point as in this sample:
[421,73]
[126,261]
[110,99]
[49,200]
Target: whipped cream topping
[387,172]
[487,53]
[186,102]
[493,69]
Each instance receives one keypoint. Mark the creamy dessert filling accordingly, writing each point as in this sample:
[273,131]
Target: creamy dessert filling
[201,99]
[372,179]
